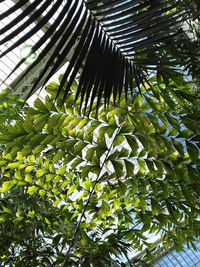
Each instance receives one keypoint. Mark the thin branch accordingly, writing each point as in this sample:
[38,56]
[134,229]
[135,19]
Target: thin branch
[88,201]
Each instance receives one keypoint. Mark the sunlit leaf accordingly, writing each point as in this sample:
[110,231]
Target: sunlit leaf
[32,190]
[6,186]
[40,173]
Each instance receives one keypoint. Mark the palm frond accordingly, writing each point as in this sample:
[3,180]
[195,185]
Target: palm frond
[109,43]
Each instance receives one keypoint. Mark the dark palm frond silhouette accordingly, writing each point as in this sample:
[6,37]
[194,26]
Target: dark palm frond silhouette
[110,42]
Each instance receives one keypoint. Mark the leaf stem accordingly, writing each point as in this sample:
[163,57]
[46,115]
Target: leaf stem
[90,194]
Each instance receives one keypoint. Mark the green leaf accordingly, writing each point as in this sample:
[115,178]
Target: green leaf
[129,168]
[71,189]
[134,186]
[40,173]
[172,211]
[38,149]
[82,123]
[142,167]
[87,184]
[56,203]
[119,139]
[29,169]
[156,209]
[2,219]
[90,153]
[149,255]
[5,138]
[75,214]
[40,182]
[124,153]
[182,173]
[105,209]
[58,156]
[57,179]
[78,148]
[18,175]
[46,164]
[71,144]
[26,150]
[193,151]
[7,156]
[22,166]
[18,220]
[32,190]
[47,221]
[179,146]
[28,178]
[13,165]
[48,139]
[41,121]
[62,170]
[2,163]
[38,104]
[31,214]
[6,210]
[109,130]
[168,98]
[165,189]
[6,186]
[132,142]
[122,188]
[127,202]
[85,170]
[191,124]
[146,219]
[31,159]
[117,204]
[174,122]
[118,167]
[143,204]
[36,140]
[76,162]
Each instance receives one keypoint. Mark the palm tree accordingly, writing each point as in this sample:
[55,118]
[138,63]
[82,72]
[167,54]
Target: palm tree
[110,43]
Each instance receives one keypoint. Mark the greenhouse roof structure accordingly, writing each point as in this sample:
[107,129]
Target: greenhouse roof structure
[9,61]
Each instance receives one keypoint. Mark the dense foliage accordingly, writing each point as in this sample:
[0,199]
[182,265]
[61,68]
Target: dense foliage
[10,108]
[81,188]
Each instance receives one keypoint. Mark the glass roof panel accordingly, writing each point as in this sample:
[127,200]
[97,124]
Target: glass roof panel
[185,258]
[8,62]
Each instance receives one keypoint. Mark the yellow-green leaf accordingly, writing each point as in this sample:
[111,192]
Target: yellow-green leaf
[13,165]
[31,214]
[87,184]
[32,190]
[71,190]
[42,192]
[28,178]
[7,186]
[40,173]
[29,169]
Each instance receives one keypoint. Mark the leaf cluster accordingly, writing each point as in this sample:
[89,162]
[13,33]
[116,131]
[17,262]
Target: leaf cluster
[90,188]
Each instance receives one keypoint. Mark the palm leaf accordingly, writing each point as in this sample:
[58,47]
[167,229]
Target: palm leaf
[109,43]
